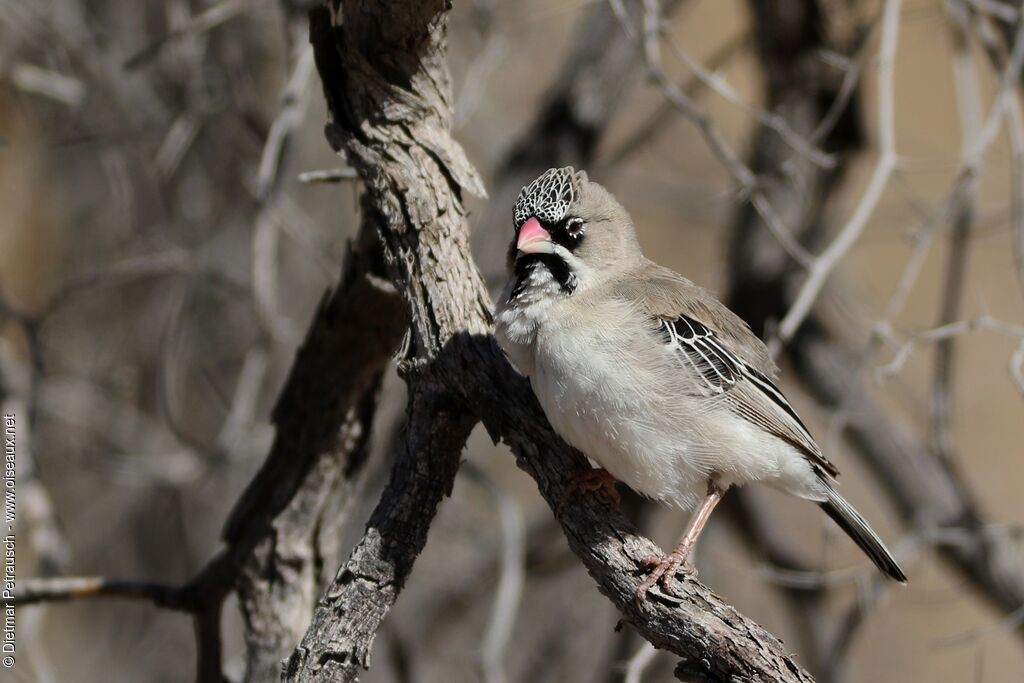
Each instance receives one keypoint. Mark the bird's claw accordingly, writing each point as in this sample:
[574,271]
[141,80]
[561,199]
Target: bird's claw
[662,570]
[661,593]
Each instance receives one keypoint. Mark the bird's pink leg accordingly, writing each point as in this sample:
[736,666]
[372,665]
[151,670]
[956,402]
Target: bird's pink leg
[670,563]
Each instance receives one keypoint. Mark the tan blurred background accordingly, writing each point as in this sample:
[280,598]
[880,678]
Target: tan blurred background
[162,281]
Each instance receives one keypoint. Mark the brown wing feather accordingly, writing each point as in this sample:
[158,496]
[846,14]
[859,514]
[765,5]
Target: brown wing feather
[667,294]
[750,392]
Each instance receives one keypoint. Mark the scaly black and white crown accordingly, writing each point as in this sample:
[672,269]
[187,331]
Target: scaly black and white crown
[548,197]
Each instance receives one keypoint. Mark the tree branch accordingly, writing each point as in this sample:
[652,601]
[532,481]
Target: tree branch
[388,92]
[280,583]
[337,644]
[335,373]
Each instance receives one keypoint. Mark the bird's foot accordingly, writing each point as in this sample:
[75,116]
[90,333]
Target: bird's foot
[662,570]
[589,481]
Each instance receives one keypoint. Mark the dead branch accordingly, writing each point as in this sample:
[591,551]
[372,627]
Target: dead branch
[336,645]
[337,367]
[963,214]
[389,57]
[63,589]
[280,583]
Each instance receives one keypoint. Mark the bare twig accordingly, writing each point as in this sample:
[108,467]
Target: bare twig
[1017,366]
[1001,10]
[827,260]
[512,577]
[869,594]
[331,175]
[202,600]
[775,122]
[639,662]
[969,105]
[30,78]
[945,333]
[208,19]
[998,59]
[656,123]
[63,589]
[1010,622]
[803,587]
[293,105]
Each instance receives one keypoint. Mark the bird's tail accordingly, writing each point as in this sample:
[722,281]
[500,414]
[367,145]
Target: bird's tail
[850,521]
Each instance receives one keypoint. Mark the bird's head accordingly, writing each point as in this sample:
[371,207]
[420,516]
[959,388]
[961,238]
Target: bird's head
[572,226]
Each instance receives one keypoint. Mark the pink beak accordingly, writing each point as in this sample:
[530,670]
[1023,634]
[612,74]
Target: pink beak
[533,238]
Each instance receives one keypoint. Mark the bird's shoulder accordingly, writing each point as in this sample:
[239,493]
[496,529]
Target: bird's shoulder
[664,294]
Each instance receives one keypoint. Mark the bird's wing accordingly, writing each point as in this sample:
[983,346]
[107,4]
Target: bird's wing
[723,357]
[666,294]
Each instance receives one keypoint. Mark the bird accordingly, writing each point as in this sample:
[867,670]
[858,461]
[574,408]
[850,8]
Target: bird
[648,374]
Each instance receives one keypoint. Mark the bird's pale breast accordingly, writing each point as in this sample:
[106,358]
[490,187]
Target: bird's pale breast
[608,388]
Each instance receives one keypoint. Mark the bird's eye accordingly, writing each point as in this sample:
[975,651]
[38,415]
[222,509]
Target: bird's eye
[574,227]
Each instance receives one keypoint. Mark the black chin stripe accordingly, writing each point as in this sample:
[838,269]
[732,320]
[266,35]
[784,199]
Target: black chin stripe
[558,268]
[561,272]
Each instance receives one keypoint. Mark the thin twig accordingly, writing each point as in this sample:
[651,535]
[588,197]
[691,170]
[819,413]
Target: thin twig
[1008,623]
[30,78]
[947,331]
[208,19]
[847,236]
[768,119]
[741,173]
[998,59]
[969,106]
[869,594]
[330,175]
[1000,10]
[638,663]
[655,124]
[293,108]
[512,578]
[31,591]
[1017,366]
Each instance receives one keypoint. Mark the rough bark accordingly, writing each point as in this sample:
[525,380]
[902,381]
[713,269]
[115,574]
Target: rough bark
[386,83]
[280,583]
[337,644]
[349,342]
[323,419]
